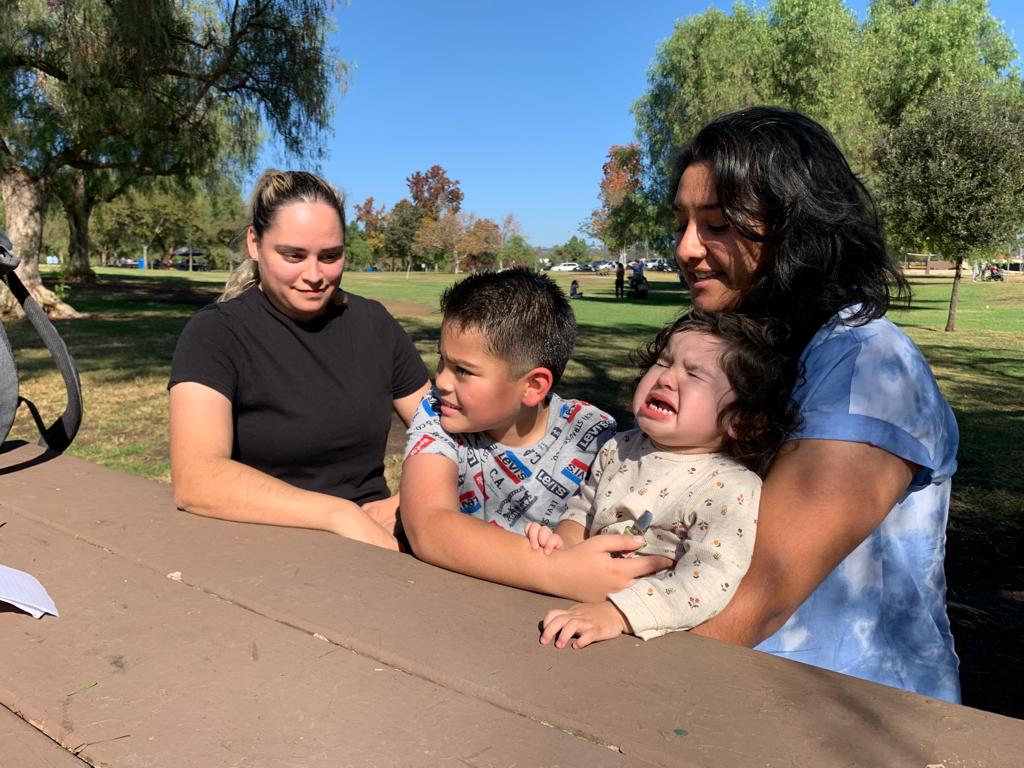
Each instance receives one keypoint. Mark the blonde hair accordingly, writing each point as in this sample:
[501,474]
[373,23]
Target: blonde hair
[275,189]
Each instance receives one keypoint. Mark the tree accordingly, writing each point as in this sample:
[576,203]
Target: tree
[154,89]
[516,252]
[812,55]
[434,193]
[152,220]
[438,239]
[911,49]
[164,214]
[626,216]
[952,175]
[859,81]
[574,249]
[374,221]
[481,243]
[510,227]
[713,62]
[358,253]
[402,224]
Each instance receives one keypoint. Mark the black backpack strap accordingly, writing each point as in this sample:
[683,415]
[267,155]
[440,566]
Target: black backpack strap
[9,399]
[57,436]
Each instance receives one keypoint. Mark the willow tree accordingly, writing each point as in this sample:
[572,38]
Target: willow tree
[94,93]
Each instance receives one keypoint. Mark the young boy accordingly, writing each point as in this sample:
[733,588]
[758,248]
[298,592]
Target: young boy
[492,448]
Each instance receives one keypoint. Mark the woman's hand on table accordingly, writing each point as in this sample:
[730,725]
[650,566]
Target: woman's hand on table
[352,522]
[384,512]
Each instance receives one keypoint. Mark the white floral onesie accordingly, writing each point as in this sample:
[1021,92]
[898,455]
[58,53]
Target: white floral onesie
[705,517]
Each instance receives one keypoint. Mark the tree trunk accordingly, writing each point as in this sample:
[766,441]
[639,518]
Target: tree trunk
[954,299]
[25,203]
[78,204]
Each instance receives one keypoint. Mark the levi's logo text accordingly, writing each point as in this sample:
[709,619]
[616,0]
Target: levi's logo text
[422,443]
[469,503]
[576,471]
[590,435]
[513,467]
[552,485]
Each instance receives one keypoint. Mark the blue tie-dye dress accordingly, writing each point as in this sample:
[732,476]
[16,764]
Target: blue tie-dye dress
[881,614]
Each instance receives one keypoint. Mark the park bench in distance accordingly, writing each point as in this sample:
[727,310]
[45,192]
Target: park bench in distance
[186,641]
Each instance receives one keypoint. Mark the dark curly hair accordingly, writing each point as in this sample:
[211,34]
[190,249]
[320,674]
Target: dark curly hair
[761,375]
[782,180]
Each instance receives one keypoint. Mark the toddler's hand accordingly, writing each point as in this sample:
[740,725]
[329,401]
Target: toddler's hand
[583,624]
[542,537]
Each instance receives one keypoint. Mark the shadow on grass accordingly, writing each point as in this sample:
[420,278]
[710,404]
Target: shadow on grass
[131,329]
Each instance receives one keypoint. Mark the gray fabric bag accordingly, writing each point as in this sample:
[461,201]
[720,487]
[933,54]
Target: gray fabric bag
[57,436]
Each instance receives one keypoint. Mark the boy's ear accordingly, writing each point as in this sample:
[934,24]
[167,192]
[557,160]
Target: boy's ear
[536,385]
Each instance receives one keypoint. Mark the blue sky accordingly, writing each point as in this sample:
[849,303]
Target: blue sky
[519,101]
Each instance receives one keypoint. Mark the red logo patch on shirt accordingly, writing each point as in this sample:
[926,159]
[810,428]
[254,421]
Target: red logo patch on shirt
[478,478]
[422,443]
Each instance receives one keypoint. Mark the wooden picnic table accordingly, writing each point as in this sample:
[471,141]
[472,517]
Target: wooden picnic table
[185,641]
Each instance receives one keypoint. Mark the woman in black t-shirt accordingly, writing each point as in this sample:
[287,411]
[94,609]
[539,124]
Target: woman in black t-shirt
[281,394]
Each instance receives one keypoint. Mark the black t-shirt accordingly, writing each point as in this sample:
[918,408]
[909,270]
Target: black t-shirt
[311,401]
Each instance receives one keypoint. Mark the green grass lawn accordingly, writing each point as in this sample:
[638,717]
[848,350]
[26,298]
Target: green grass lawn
[124,347]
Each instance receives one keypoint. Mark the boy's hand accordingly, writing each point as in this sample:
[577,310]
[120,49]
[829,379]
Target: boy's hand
[589,572]
[587,622]
[542,537]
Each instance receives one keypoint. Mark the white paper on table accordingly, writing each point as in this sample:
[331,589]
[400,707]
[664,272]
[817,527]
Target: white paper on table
[23,590]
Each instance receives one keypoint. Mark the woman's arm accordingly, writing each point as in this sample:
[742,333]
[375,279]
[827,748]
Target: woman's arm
[821,499]
[406,406]
[385,511]
[208,482]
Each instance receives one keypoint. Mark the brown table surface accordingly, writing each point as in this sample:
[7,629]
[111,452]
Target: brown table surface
[184,641]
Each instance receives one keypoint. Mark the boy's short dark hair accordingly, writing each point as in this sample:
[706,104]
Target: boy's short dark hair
[760,372]
[524,317]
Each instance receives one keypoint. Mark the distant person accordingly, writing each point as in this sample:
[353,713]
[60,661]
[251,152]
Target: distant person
[574,290]
[281,394]
[493,449]
[638,285]
[620,281]
[847,570]
[711,408]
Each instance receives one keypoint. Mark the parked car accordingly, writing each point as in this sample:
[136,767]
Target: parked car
[604,267]
[662,265]
[566,266]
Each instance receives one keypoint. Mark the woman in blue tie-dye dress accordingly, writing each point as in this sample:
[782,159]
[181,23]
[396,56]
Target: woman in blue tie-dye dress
[847,571]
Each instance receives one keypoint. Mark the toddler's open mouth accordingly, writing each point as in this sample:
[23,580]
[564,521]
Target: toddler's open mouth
[659,405]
